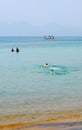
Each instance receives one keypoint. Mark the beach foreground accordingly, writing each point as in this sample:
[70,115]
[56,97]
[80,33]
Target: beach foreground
[61,125]
[65,122]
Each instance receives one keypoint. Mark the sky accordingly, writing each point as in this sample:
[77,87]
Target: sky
[40,17]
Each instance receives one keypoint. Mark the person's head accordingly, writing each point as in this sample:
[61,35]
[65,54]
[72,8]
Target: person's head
[46,64]
[52,70]
[12,49]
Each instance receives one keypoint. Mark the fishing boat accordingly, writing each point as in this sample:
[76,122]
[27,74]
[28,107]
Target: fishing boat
[49,37]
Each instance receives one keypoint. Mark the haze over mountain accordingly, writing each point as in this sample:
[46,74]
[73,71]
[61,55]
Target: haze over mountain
[40,17]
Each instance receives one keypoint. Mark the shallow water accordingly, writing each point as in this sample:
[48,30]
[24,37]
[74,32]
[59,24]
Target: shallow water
[27,86]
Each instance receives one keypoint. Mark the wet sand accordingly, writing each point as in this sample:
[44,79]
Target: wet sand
[67,120]
[66,125]
[54,126]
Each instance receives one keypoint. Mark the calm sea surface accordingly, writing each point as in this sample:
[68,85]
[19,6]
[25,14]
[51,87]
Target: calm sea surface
[28,87]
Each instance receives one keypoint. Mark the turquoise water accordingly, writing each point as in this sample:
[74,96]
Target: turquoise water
[27,86]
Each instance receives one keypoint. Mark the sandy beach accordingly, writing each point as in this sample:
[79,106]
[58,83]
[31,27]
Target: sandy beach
[65,122]
[61,125]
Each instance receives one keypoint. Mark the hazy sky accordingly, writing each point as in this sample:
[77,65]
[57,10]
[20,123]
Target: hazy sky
[41,17]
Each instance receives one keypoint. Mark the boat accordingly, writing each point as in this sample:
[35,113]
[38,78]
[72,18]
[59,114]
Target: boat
[49,37]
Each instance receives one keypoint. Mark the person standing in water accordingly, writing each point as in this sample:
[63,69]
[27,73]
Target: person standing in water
[17,50]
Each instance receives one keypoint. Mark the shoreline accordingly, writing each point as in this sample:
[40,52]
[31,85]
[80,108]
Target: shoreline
[53,125]
[63,123]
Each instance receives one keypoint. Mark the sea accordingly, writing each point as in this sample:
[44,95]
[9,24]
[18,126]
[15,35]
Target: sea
[31,91]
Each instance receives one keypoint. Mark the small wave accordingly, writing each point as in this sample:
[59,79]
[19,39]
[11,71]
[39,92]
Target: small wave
[59,69]
[53,69]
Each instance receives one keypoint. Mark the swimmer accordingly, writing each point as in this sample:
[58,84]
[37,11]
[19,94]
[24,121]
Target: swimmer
[52,71]
[46,64]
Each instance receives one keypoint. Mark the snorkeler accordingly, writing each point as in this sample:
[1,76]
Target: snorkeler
[52,70]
